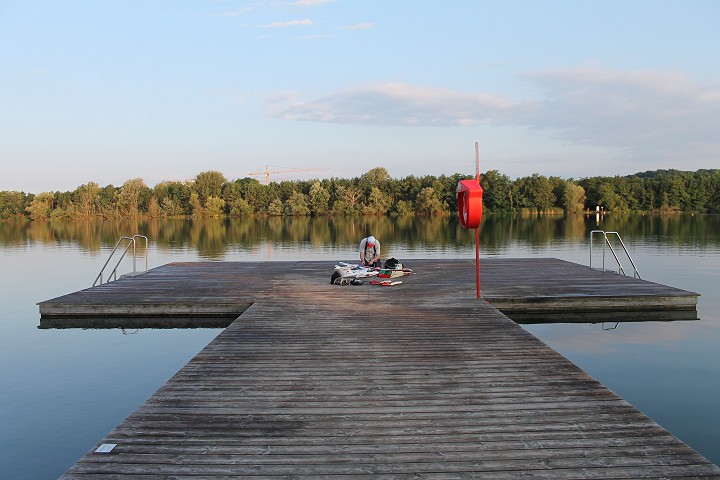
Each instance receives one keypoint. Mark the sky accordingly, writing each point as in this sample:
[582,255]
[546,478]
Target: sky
[106,91]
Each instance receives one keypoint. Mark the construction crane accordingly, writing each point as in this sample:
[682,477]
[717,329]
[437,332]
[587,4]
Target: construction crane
[267,172]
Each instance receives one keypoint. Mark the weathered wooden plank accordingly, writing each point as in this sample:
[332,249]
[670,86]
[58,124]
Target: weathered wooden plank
[602,467]
[616,436]
[610,446]
[646,455]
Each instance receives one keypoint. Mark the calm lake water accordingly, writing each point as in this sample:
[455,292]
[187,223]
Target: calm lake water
[62,390]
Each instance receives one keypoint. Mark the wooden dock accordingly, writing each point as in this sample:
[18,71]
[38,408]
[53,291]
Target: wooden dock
[213,294]
[419,380]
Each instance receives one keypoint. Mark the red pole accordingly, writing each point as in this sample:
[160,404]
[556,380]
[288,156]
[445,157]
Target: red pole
[477,229]
[477,260]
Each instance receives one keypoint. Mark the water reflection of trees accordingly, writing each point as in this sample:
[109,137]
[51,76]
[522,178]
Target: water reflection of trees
[212,238]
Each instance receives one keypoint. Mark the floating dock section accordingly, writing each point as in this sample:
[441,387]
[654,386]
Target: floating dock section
[417,380]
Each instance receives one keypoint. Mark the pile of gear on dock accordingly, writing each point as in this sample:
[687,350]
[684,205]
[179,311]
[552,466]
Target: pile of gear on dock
[354,274]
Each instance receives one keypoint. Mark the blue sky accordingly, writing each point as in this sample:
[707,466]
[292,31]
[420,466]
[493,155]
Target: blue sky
[105,91]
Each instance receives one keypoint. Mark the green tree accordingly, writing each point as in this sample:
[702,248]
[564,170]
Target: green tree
[446,190]
[427,202]
[558,191]
[275,209]
[497,192]
[154,210]
[108,202]
[64,203]
[410,188]
[256,194]
[214,206]
[699,188]
[375,177]
[171,208]
[319,199]
[240,208]
[539,193]
[88,199]
[677,194]
[129,196]
[713,202]
[12,205]
[378,203]
[609,199]
[41,206]
[403,208]
[573,198]
[195,205]
[297,205]
[376,193]
[348,201]
[639,197]
[175,195]
[208,184]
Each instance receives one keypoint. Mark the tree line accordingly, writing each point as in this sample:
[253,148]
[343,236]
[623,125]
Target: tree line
[210,194]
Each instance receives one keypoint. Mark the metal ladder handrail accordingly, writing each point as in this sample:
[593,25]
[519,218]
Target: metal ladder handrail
[636,272]
[131,242]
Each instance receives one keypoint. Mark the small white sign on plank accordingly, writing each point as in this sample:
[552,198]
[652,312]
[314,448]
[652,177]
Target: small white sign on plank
[106,448]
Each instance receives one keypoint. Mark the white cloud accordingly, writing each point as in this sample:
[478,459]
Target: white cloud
[393,104]
[664,113]
[357,26]
[643,113]
[289,23]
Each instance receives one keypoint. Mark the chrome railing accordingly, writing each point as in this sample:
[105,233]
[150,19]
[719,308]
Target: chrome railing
[606,243]
[129,242]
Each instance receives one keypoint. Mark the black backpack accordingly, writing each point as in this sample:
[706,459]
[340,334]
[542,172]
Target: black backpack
[392,264]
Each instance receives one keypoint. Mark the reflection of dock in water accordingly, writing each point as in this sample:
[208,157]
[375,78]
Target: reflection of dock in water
[416,379]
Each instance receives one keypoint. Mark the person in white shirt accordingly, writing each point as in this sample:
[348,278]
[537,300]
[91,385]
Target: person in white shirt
[370,252]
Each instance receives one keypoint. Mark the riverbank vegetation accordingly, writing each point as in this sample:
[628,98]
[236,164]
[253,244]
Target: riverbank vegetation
[210,195]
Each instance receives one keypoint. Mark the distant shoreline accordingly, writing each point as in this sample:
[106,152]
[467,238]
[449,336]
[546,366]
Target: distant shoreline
[210,195]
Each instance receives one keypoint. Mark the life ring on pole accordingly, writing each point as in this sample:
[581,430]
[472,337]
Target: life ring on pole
[469,196]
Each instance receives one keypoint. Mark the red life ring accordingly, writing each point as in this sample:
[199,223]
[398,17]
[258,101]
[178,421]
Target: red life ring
[469,195]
